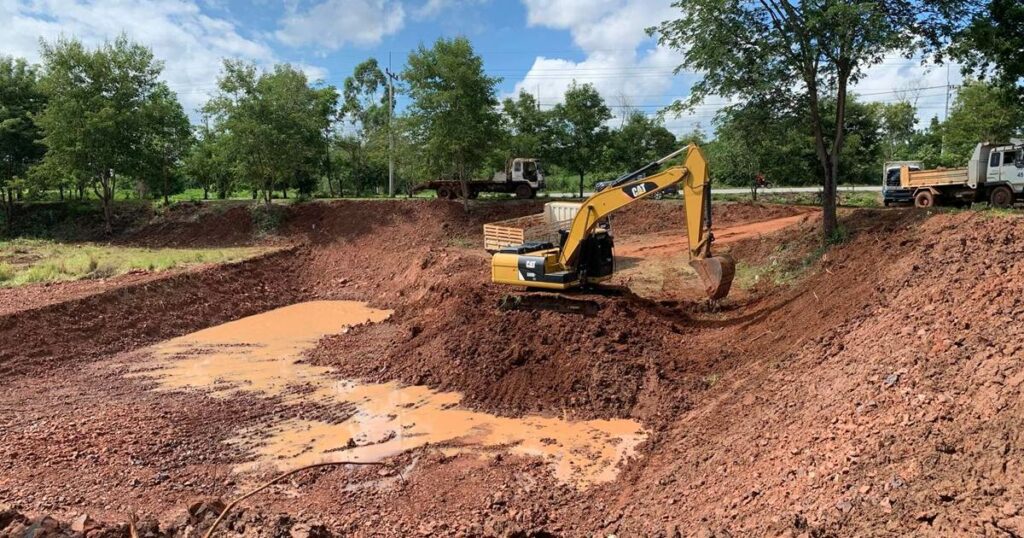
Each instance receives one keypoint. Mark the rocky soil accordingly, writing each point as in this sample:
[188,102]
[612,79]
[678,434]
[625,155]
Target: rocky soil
[876,392]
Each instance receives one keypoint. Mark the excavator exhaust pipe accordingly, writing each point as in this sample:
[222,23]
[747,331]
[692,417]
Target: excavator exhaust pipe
[716,273]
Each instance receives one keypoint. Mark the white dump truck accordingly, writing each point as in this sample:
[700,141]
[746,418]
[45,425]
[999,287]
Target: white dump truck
[995,174]
[522,176]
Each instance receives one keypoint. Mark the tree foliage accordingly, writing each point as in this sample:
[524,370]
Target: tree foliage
[453,114]
[168,137]
[797,54]
[20,138]
[208,162]
[640,140]
[578,131]
[361,156]
[526,127]
[981,112]
[993,44]
[98,115]
[276,121]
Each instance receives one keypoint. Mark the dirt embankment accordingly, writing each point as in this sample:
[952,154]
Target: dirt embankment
[878,392]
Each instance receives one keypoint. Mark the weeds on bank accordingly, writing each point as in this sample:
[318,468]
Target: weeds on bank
[266,220]
[784,268]
[27,261]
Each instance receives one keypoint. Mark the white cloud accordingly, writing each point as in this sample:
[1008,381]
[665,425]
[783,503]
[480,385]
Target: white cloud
[433,8]
[332,24]
[611,34]
[190,43]
[568,14]
[897,79]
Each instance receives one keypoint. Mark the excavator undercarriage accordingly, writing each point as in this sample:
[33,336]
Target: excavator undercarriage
[584,256]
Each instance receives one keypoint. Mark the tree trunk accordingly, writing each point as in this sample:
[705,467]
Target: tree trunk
[167,200]
[330,172]
[581,184]
[105,193]
[61,188]
[10,211]
[828,198]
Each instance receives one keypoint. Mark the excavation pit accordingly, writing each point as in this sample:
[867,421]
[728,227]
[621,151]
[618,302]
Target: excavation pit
[262,353]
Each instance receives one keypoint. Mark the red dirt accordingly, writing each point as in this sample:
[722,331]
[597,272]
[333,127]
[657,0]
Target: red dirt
[877,394]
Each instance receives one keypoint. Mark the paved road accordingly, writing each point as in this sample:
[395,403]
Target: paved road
[773,190]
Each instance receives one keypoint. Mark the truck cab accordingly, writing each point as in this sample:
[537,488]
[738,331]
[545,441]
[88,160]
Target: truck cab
[892,192]
[1006,165]
[522,170]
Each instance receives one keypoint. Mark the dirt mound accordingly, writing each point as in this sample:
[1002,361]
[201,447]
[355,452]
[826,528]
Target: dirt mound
[197,224]
[898,414]
[876,389]
[76,220]
[128,317]
[661,215]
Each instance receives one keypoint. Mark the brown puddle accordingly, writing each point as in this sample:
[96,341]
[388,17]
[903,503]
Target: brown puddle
[259,353]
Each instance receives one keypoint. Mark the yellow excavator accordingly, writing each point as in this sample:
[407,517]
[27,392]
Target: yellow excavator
[584,257]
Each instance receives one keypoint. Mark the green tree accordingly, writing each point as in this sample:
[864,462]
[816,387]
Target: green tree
[897,123]
[208,163]
[993,43]
[527,126]
[640,140]
[453,114]
[981,112]
[365,106]
[20,138]
[275,121]
[578,132]
[789,54]
[96,117]
[326,117]
[168,137]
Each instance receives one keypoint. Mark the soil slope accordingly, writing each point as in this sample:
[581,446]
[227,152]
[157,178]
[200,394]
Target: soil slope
[877,392]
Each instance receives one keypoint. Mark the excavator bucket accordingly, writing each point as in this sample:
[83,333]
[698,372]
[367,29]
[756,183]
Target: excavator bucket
[716,273]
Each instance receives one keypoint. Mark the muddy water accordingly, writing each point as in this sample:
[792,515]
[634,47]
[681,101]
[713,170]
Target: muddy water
[260,353]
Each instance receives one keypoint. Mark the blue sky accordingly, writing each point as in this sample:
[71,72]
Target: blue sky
[538,46]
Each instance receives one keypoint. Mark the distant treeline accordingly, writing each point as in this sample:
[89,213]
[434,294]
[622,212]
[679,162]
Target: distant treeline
[98,122]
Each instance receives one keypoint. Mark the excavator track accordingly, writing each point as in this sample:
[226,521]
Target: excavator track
[554,302]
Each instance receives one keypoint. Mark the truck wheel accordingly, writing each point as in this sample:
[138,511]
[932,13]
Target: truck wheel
[444,193]
[1000,197]
[524,191]
[924,199]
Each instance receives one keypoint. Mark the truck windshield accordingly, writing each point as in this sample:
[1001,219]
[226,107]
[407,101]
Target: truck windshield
[530,170]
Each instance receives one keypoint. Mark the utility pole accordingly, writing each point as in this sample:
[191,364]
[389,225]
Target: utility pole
[945,118]
[391,131]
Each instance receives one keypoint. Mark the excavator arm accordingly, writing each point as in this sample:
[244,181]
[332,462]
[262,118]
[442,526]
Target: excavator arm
[694,177]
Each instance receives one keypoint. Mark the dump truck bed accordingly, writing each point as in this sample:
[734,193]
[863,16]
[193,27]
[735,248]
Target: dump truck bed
[933,178]
[540,227]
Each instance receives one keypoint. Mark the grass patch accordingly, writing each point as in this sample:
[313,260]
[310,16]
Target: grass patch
[782,268]
[28,261]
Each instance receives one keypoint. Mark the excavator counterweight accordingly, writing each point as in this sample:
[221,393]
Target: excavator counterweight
[584,256]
